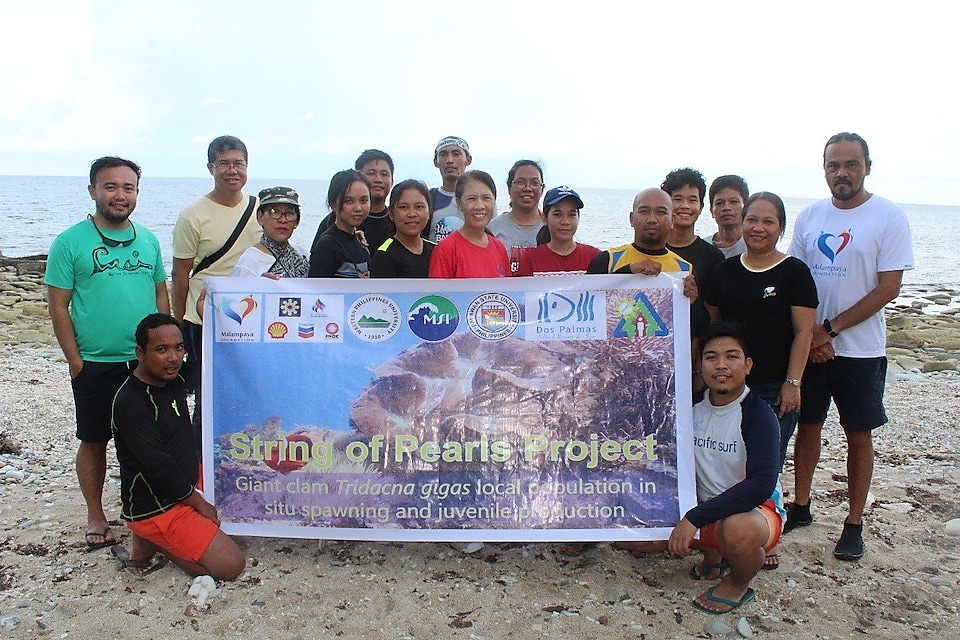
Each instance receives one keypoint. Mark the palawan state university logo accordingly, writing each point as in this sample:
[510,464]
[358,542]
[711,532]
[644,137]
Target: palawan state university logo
[831,245]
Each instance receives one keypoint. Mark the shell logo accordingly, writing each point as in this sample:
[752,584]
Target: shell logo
[277,330]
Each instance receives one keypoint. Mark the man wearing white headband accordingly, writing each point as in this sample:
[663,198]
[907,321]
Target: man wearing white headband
[451,157]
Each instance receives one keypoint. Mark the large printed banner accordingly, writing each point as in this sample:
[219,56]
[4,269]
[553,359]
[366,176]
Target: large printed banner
[518,409]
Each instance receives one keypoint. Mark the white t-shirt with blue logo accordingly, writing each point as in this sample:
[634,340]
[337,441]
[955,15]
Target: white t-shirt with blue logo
[846,249]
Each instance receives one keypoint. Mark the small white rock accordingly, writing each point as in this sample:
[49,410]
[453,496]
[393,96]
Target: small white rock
[717,627]
[953,527]
[898,507]
[743,628]
[10,623]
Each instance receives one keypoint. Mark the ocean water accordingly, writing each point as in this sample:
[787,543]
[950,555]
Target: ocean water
[36,209]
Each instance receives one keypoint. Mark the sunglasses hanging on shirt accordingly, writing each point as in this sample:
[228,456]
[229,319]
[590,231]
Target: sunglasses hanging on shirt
[110,242]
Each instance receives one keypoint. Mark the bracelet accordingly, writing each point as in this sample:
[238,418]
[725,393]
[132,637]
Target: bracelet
[829,328]
[795,382]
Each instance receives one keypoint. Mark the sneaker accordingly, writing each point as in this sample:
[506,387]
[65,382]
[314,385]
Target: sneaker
[798,515]
[850,545]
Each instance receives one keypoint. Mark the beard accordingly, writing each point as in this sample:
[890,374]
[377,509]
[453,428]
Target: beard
[848,195]
[112,216]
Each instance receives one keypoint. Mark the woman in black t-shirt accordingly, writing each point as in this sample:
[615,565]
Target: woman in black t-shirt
[406,254]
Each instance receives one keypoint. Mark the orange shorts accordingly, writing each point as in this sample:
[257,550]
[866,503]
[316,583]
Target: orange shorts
[181,531]
[708,534]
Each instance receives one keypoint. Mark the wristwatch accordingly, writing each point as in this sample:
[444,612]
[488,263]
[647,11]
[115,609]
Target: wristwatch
[829,328]
[793,381]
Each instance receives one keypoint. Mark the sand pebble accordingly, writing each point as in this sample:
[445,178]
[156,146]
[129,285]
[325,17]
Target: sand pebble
[953,527]
[898,507]
[10,623]
[939,582]
[717,627]
[743,628]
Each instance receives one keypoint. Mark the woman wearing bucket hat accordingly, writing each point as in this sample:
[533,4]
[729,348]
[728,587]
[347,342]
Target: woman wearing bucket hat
[274,256]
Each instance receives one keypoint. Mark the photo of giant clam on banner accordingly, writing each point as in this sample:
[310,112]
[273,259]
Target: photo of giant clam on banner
[519,409]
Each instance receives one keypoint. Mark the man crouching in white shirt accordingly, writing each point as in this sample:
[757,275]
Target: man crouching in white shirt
[736,447]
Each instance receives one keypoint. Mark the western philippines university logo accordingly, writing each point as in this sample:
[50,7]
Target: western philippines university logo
[493,316]
[373,318]
[433,318]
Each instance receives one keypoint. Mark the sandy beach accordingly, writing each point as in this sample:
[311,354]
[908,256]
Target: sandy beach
[906,586]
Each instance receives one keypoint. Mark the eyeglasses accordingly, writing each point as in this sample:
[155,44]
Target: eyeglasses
[282,214]
[110,242]
[225,165]
[522,183]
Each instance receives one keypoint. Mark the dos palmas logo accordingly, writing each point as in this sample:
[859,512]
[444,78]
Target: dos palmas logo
[566,315]
[433,318]
[493,316]
[373,318]
[238,319]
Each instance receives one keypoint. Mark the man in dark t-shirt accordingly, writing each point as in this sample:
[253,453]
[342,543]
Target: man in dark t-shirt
[687,189]
[159,467]
[377,167]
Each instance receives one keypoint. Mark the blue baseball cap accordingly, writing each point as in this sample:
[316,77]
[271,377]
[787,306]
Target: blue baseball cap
[557,194]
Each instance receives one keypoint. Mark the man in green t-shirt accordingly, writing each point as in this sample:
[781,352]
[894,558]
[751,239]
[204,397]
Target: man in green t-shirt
[104,274]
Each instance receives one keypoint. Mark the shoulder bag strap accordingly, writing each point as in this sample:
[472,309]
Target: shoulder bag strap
[216,255]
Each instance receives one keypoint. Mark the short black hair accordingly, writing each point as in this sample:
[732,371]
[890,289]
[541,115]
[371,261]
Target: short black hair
[480,176]
[226,143]
[724,329]
[152,321]
[109,162]
[846,136]
[512,173]
[773,199]
[729,182]
[686,176]
[369,155]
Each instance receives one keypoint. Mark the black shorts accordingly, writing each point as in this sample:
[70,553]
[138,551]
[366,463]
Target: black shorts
[93,392]
[856,386]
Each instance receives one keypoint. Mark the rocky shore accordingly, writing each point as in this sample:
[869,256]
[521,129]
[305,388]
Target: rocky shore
[906,586]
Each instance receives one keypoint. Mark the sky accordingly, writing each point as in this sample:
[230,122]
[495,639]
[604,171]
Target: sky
[605,94]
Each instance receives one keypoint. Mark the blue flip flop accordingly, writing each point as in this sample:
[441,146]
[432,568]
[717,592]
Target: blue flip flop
[699,571]
[748,595]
